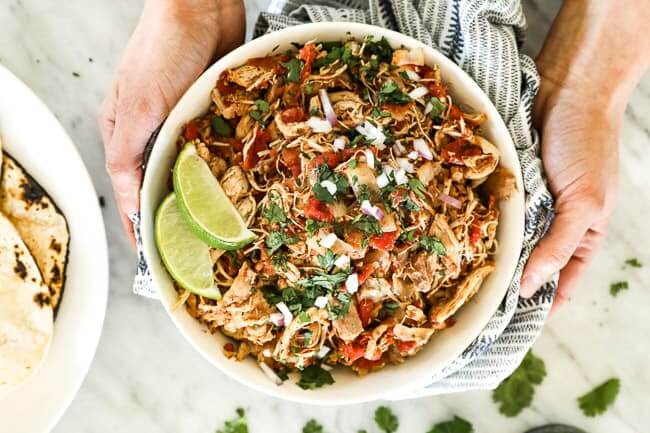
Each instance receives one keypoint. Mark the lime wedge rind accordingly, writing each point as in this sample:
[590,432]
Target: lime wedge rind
[186,258]
[200,214]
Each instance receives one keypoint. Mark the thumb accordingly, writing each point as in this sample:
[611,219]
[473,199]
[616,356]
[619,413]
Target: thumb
[556,248]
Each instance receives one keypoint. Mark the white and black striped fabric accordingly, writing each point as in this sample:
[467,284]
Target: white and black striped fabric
[483,37]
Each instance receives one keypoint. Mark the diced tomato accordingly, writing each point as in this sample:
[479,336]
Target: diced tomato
[405,346]
[437,90]
[191,130]
[291,158]
[351,351]
[332,159]
[455,113]
[457,150]
[317,210]
[262,139]
[236,144]
[366,309]
[384,241]
[229,347]
[367,271]
[293,114]
[307,54]
[474,233]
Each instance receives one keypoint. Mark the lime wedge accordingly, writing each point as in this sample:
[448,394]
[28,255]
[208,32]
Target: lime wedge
[207,209]
[185,256]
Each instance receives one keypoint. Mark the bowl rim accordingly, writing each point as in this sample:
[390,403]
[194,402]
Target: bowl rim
[295,34]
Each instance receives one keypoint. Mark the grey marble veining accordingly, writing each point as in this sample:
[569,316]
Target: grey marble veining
[146,378]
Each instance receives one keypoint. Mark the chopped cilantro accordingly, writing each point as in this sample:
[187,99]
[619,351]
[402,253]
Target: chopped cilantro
[276,239]
[363,193]
[438,107]
[342,308]
[357,140]
[312,426]
[380,48]
[261,108]
[432,244]
[314,111]
[274,214]
[314,376]
[417,187]
[404,75]
[220,127]
[376,113]
[236,425]
[456,425]
[596,401]
[324,281]
[280,261]
[390,307]
[516,392]
[618,286]
[390,93]
[367,224]
[386,419]
[324,173]
[352,163]
[293,69]
[312,226]
[407,236]
[633,263]
[308,89]
[303,317]
[326,261]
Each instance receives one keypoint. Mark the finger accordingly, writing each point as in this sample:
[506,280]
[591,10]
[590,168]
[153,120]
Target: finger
[555,249]
[126,187]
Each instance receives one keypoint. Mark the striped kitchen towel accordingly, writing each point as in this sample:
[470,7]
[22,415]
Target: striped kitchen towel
[483,37]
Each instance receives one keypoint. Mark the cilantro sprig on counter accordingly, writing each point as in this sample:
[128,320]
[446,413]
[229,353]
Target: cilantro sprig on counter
[386,419]
[516,392]
[236,425]
[312,426]
[596,401]
[455,425]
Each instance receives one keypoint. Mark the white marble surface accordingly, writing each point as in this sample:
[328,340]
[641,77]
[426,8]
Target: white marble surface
[146,378]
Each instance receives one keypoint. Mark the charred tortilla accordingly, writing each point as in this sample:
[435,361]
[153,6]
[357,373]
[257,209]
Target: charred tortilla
[26,314]
[39,223]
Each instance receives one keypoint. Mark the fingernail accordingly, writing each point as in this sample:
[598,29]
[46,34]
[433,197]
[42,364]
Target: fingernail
[529,285]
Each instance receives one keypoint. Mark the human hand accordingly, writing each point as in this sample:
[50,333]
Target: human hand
[171,46]
[579,133]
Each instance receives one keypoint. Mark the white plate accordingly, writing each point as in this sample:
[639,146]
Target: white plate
[33,136]
[445,346]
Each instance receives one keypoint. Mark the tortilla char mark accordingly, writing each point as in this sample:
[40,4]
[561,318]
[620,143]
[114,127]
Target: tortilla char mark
[20,269]
[55,246]
[42,299]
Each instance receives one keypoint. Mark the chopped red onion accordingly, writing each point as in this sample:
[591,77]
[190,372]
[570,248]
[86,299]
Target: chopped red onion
[320,301]
[387,169]
[451,201]
[372,134]
[352,283]
[399,148]
[423,149]
[382,180]
[266,353]
[413,76]
[370,158]
[268,371]
[418,92]
[286,314]
[319,125]
[327,107]
[428,108]
[400,177]
[277,319]
[342,261]
[329,186]
[339,143]
[328,240]
[322,353]
[371,210]
[405,165]
[413,155]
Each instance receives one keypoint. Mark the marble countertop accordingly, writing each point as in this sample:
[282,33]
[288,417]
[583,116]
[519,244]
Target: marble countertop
[146,378]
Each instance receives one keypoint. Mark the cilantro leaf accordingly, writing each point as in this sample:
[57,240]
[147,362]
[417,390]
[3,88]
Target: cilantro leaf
[633,263]
[274,214]
[293,69]
[220,127]
[367,224]
[312,426]
[276,239]
[314,376]
[341,309]
[326,261]
[438,107]
[516,392]
[324,173]
[417,187]
[618,286]
[279,261]
[432,244]
[237,425]
[312,226]
[596,401]
[391,94]
[386,419]
[324,281]
[380,48]
[456,425]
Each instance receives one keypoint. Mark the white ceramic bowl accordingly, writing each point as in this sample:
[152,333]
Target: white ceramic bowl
[444,346]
